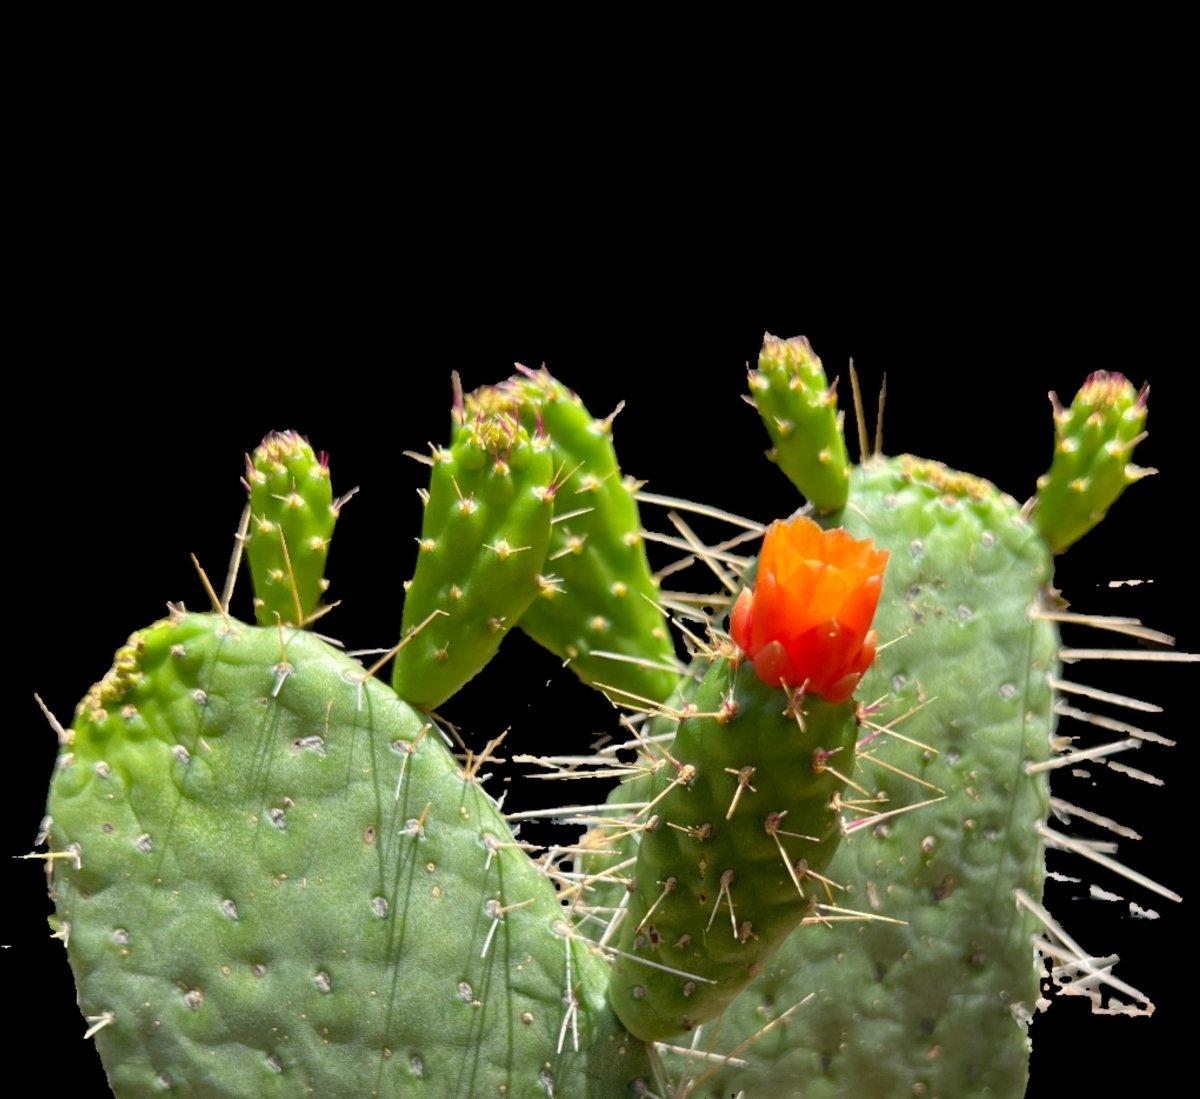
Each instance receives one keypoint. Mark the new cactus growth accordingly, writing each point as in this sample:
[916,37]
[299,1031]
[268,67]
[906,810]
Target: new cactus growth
[483,546]
[819,875]
[1094,439]
[799,411]
[598,606]
[292,513]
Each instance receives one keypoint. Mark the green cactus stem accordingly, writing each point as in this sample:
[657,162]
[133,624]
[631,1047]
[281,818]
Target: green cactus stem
[598,606]
[274,880]
[292,514]
[742,825]
[483,545]
[1093,442]
[799,408]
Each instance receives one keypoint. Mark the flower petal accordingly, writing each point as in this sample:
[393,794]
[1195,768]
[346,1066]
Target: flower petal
[808,618]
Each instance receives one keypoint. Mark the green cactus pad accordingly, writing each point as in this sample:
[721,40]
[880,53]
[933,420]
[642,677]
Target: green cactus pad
[937,1006]
[598,595]
[292,513]
[275,881]
[483,544]
[742,810]
[1093,444]
[799,408]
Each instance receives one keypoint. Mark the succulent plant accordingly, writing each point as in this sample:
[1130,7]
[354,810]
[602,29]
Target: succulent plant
[312,883]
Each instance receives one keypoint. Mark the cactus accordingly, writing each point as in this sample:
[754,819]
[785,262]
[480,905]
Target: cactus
[290,523]
[1094,439]
[799,410]
[745,813]
[258,766]
[483,546]
[957,978]
[598,602]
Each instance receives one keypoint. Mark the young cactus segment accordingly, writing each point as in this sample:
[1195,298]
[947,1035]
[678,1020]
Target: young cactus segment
[273,880]
[744,806]
[1094,440]
[292,513]
[740,826]
[483,547]
[799,408]
[597,595]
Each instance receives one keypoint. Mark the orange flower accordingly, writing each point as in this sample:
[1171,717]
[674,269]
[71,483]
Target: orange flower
[807,622]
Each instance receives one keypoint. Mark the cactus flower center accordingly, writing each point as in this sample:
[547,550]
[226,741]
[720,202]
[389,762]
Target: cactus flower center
[807,620]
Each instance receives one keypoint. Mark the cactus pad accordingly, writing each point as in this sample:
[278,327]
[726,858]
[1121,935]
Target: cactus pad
[799,408]
[483,546]
[742,812]
[1093,442]
[275,881]
[598,595]
[292,513]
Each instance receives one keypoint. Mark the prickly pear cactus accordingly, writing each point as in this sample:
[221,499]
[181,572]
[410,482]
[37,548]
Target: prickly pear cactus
[799,410]
[275,875]
[291,517]
[925,981]
[262,851]
[597,607]
[935,1005]
[483,547]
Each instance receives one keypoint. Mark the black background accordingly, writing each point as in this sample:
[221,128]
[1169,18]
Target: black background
[169,328]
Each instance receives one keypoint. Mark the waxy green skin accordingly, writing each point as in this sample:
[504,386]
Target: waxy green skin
[714,895]
[484,538]
[598,595]
[274,879]
[292,515]
[286,886]
[799,410]
[936,1006]
[1093,442]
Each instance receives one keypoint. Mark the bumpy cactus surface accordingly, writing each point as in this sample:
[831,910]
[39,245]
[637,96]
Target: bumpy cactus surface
[947,992]
[820,870]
